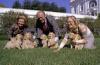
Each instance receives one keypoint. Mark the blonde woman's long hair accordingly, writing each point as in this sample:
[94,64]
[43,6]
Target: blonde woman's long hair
[76,22]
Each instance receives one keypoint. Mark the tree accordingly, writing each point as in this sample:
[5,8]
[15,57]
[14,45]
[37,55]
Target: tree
[53,7]
[26,4]
[62,9]
[17,4]
[35,4]
[2,5]
[97,23]
[89,22]
[46,6]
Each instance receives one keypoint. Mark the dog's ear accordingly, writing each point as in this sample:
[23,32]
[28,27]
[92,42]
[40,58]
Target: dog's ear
[41,37]
[25,37]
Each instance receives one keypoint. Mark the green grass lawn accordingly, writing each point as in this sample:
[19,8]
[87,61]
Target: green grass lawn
[44,56]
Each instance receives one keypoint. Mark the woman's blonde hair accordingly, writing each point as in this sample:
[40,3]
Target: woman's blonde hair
[24,17]
[76,22]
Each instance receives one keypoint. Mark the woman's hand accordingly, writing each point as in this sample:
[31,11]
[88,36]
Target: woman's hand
[79,41]
[75,41]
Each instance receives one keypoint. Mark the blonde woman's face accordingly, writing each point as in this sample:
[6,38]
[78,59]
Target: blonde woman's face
[71,23]
[21,22]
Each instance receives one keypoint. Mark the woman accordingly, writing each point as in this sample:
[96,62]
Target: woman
[86,35]
[19,27]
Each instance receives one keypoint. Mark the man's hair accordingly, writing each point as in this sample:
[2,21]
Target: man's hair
[41,12]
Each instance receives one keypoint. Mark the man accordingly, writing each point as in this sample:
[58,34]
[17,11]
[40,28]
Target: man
[46,24]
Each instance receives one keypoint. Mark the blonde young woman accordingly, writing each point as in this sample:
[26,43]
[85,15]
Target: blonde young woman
[86,35]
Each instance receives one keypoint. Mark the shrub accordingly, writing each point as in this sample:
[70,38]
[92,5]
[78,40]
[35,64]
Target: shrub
[62,25]
[94,25]
[89,22]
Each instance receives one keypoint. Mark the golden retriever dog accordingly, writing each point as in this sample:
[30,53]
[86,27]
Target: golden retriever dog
[19,41]
[51,41]
[10,43]
[28,41]
[44,40]
[15,42]
[75,36]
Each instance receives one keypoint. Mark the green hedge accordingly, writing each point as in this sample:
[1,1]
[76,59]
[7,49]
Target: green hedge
[3,37]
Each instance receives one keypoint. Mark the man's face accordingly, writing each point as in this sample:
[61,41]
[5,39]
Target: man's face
[21,22]
[41,16]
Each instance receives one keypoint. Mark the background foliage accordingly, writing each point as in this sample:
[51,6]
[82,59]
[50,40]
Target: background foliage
[37,5]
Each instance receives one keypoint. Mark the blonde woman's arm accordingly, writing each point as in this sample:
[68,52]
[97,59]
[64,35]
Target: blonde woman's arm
[83,29]
[64,41]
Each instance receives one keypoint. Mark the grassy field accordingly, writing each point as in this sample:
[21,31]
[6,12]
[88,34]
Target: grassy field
[44,56]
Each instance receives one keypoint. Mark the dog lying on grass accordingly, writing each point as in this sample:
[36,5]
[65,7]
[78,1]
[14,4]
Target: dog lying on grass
[28,41]
[51,41]
[19,41]
[15,42]
[44,40]
[73,37]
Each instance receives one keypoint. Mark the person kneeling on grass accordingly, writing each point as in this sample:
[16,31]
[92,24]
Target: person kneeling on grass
[44,25]
[19,26]
[73,25]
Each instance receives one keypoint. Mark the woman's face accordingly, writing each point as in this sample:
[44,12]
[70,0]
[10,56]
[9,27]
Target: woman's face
[21,22]
[71,23]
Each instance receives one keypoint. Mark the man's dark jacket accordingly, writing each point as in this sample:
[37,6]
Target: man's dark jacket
[52,26]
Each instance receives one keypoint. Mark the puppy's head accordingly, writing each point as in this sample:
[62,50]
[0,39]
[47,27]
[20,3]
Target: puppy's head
[13,39]
[28,36]
[71,35]
[74,36]
[19,36]
[51,35]
[77,37]
[43,37]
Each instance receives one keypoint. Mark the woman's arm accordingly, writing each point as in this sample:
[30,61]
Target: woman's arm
[11,31]
[64,41]
[81,41]
[61,45]
[83,29]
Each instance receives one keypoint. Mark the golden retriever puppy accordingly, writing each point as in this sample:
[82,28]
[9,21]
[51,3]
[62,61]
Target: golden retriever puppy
[28,41]
[15,42]
[76,36]
[51,40]
[44,40]
[19,41]
[10,44]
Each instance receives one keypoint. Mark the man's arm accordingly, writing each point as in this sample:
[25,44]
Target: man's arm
[38,31]
[54,24]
